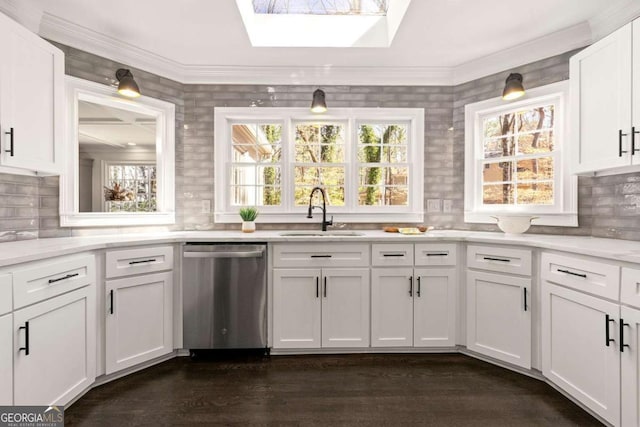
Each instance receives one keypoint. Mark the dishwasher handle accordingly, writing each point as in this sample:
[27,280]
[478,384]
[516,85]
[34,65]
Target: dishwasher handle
[230,254]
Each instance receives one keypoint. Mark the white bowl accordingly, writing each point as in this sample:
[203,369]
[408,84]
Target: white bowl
[514,224]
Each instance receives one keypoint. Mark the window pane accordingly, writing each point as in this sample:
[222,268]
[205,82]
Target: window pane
[255,195]
[535,193]
[320,177]
[383,196]
[499,147]
[497,194]
[537,142]
[499,126]
[385,154]
[535,169]
[317,143]
[319,153]
[255,175]
[497,172]
[383,176]
[335,196]
[536,118]
[254,142]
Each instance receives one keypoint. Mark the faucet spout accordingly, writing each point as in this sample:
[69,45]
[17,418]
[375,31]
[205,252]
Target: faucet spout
[323,207]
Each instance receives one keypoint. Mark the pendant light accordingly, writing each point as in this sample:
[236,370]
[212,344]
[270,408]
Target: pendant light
[318,105]
[513,88]
[127,86]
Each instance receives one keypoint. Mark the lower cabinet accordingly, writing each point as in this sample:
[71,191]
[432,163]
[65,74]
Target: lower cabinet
[413,307]
[139,319]
[499,317]
[55,349]
[6,360]
[630,366]
[581,351]
[326,307]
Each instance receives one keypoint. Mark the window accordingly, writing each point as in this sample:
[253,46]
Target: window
[516,160]
[368,161]
[130,188]
[321,7]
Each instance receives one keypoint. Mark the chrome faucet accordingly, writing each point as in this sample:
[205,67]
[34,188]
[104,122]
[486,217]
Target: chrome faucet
[323,207]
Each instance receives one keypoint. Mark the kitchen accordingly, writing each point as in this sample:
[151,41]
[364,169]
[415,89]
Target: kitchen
[605,207]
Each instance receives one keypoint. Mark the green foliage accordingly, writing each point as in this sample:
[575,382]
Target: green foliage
[372,155]
[248,213]
[272,194]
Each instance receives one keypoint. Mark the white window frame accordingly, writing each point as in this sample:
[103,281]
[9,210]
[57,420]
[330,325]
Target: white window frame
[351,118]
[564,211]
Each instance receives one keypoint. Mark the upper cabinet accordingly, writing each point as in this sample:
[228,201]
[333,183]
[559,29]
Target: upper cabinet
[605,92]
[31,101]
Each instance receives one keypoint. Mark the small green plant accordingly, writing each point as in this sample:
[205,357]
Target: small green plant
[249,213]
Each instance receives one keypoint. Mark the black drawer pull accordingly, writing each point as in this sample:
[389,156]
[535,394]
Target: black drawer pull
[111,301]
[143,261]
[68,276]
[488,258]
[419,288]
[607,320]
[325,287]
[317,287]
[26,339]
[396,255]
[437,254]
[620,150]
[633,141]
[320,256]
[622,344]
[411,286]
[11,134]
[584,276]
[526,306]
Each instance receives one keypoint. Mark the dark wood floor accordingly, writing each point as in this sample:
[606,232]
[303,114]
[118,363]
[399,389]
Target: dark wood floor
[372,390]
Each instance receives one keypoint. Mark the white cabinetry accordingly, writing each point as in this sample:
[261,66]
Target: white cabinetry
[605,91]
[392,307]
[499,305]
[31,100]
[6,341]
[139,309]
[630,365]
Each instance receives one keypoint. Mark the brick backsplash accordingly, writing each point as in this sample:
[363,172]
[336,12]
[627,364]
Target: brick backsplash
[608,206]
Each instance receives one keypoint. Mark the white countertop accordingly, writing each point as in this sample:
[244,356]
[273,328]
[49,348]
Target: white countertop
[31,250]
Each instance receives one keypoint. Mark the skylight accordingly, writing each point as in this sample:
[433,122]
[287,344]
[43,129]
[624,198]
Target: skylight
[321,7]
[322,23]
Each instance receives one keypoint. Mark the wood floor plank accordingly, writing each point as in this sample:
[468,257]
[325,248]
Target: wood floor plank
[349,390]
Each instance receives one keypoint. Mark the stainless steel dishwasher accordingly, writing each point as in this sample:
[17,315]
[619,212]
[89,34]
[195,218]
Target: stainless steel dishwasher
[224,296]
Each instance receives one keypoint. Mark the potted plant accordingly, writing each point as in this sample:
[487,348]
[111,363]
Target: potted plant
[248,215]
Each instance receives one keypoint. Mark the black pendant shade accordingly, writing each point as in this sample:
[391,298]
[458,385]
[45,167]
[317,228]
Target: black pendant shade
[318,105]
[513,88]
[127,86]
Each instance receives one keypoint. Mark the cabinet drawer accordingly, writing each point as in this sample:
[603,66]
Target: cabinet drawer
[6,294]
[435,254]
[586,275]
[501,259]
[125,262]
[38,281]
[629,287]
[321,255]
[391,254]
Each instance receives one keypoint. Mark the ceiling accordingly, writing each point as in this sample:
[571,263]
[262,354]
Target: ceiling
[199,39]
[102,126]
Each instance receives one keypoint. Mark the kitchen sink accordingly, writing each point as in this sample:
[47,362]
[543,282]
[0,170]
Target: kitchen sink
[320,234]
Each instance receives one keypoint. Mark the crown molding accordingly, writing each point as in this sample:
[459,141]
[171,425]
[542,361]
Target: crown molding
[22,12]
[614,17]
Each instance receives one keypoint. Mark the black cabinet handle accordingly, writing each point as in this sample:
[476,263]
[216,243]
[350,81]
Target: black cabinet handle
[26,339]
[411,286]
[325,287]
[143,261]
[397,255]
[526,306]
[68,276]
[11,134]
[111,301]
[607,320]
[317,287]
[622,344]
[437,254]
[620,150]
[584,276]
[488,258]
[320,256]
[419,287]
[633,140]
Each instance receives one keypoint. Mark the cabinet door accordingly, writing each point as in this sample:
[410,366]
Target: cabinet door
[630,366]
[600,78]
[31,99]
[636,89]
[575,353]
[345,307]
[296,308]
[61,349]
[498,321]
[6,360]
[139,323]
[434,308]
[391,307]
